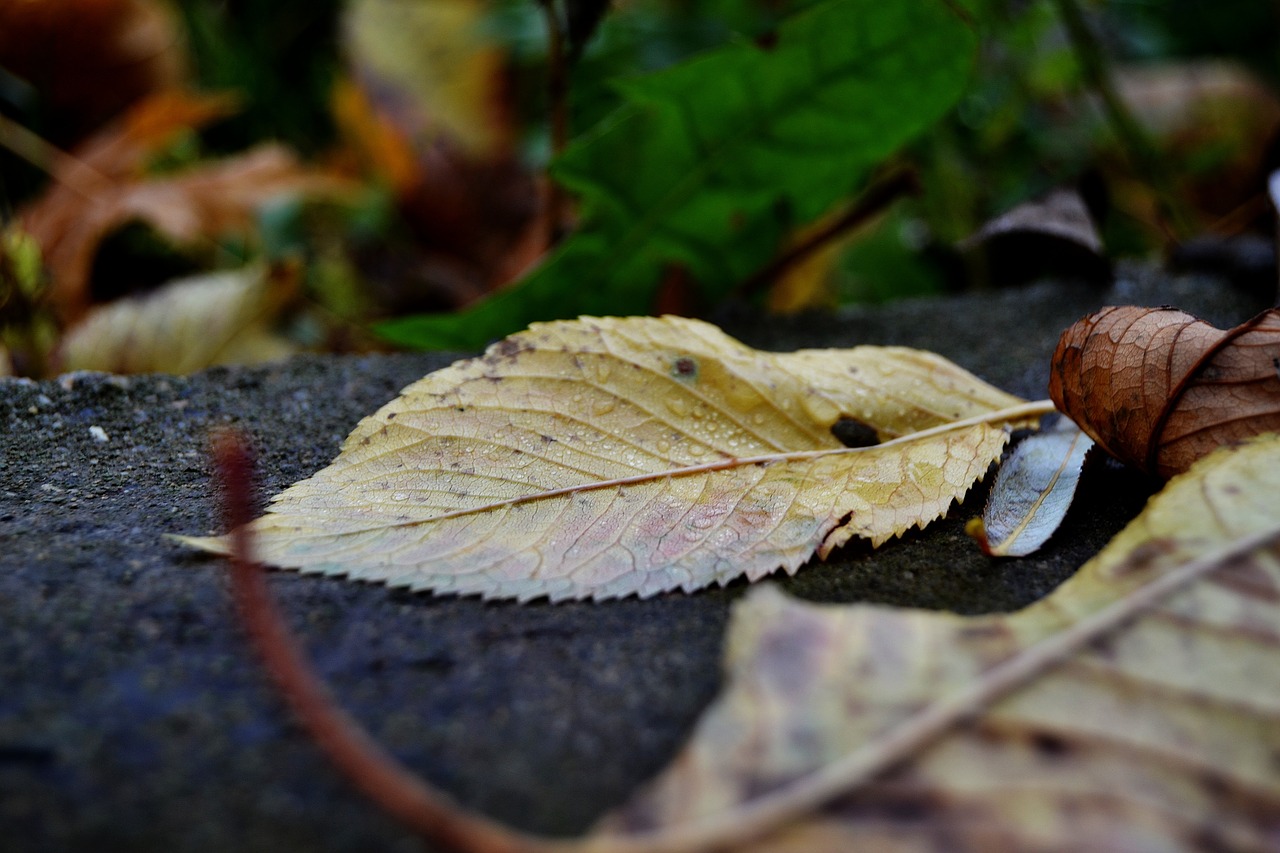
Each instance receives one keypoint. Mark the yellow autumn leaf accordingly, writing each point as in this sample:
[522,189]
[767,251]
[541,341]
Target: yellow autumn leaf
[436,61]
[617,456]
[1137,707]
[187,325]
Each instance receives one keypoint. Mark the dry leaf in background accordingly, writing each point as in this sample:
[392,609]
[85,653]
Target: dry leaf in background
[428,111]
[435,59]
[608,457]
[806,285]
[186,325]
[90,59]
[1214,120]
[105,186]
[1158,388]
[1137,707]
[1032,491]
[1054,234]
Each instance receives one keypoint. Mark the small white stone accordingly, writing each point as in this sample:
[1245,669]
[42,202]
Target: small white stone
[98,434]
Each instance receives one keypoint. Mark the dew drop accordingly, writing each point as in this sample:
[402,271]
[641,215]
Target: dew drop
[758,418]
[697,450]
[663,446]
[702,522]
[604,406]
[399,496]
[678,406]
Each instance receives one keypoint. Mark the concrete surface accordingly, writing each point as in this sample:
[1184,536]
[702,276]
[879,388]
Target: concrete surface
[133,717]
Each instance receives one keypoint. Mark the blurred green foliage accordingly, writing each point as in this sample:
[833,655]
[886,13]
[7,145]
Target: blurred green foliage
[667,174]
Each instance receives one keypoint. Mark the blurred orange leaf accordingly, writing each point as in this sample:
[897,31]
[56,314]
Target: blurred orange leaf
[104,186]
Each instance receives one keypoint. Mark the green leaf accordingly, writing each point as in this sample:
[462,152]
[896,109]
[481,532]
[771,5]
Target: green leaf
[711,162]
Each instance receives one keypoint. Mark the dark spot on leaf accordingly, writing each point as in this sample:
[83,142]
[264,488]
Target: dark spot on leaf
[767,41]
[364,440]
[1141,558]
[685,368]
[1214,784]
[1050,746]
[547,439]
[508,348]
[392,416]
[852,432]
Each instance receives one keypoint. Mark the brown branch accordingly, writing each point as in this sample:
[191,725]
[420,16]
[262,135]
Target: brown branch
[391,785]
[878,196]
[557,110]
[79,176]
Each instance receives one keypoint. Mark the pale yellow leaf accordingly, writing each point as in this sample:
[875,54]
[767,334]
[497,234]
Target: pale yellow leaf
[609,457]
[437,66]
[1135,708]
[1032,491]
[187,325]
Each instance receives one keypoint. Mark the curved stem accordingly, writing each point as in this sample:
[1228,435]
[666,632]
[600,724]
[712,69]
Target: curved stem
[382,778]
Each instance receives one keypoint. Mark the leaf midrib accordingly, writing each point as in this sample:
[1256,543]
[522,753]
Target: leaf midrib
[1012,414]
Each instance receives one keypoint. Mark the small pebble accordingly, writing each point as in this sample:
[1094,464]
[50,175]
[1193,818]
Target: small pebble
[98,434]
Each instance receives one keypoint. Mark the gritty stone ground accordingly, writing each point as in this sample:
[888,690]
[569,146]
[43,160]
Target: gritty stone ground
[133,717]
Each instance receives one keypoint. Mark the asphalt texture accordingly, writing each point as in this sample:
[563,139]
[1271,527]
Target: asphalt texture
[134,717]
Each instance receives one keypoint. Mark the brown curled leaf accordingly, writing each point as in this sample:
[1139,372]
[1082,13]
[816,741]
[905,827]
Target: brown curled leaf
[1159,388]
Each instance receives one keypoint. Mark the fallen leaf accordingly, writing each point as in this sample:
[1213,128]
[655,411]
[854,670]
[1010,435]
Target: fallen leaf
[187,325]
[1032,491]
[1053,234]
[1135,707]
[104,187]
[609,457]
[1158,388]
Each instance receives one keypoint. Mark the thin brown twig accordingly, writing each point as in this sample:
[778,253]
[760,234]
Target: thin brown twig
[76,174]
[557,110]
[1143,156]
[877,197]
[391,785]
